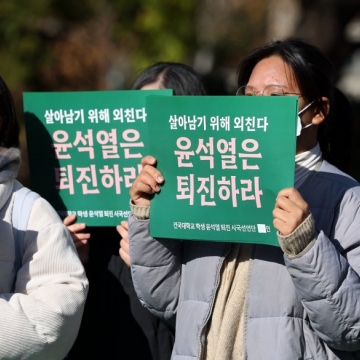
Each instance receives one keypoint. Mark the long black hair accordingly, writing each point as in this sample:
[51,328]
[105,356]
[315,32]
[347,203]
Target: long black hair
[182,79]
[314,75]
[9,126]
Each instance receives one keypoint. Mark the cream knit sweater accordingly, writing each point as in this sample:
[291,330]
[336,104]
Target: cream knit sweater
[226,330]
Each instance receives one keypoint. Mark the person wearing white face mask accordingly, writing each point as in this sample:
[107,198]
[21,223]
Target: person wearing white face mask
[275,90]
[300,127]
[244,301]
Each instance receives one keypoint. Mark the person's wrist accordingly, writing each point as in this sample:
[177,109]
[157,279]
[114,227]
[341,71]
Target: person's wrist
[141,212]
[140,202]
[294,243]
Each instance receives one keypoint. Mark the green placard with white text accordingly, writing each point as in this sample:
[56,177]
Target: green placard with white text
[85,150]
[224,160]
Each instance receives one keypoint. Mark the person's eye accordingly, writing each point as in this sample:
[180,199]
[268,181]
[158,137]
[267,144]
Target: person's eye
[275,94]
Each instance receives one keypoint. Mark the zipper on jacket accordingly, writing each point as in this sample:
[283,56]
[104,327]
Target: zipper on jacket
[247,294]
[212,301]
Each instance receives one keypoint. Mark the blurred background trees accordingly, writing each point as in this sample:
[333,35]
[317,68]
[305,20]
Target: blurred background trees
[64,45]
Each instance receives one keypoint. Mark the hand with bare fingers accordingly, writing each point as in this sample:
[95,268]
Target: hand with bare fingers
[290,211]
[124,250]
[147,183]
[80,238]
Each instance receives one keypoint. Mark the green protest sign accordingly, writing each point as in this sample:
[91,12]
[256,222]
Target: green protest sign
[224,160]
[85,150]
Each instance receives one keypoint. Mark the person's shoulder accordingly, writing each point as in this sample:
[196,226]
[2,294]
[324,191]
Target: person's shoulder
[338,185]
[41,210]
[331,173]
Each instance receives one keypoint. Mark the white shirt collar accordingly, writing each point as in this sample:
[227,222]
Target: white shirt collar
[305,163]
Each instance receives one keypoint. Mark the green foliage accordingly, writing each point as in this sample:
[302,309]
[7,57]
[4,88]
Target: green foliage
[144,30]
[155,30]
[19,39]
[76,11]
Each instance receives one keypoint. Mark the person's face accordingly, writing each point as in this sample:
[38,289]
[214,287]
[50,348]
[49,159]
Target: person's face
[274,71]
[152,86]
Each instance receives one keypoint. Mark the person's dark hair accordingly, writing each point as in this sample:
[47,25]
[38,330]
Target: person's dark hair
[335,135]
[314,75]
[182,79]
[9,126]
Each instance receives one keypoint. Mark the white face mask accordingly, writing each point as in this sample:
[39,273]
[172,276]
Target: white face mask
[299,127]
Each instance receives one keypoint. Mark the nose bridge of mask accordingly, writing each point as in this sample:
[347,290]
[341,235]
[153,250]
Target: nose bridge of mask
[299,127]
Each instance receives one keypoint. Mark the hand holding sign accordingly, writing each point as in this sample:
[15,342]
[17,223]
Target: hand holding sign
[147,182]
[80,238]
[290,211]
[124,250]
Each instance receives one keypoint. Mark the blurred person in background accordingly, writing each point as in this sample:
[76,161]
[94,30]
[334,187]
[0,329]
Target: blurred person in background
[114,316]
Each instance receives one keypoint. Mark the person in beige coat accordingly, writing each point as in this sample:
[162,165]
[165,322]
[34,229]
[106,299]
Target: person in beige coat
[41,303]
